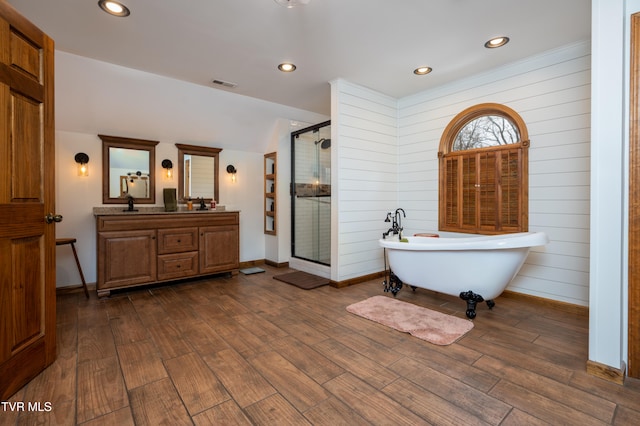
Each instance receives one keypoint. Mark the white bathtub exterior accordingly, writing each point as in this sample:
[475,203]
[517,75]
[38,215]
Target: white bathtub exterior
[482,264]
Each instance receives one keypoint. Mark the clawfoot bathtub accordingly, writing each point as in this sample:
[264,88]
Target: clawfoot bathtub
[476,268]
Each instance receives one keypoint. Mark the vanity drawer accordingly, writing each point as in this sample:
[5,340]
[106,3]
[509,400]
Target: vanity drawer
[179,265]
[177,240]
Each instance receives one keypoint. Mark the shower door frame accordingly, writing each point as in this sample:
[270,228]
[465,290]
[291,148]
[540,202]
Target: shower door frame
[292,189]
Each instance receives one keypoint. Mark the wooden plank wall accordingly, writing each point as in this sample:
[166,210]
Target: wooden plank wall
[365,123]
[552,94]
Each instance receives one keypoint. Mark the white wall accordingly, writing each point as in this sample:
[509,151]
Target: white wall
[94,98]
[364,177]
[608,315]
[551,92]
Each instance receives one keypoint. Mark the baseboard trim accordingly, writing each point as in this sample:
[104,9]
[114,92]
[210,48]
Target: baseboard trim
[606,372]
[356,280]
[563,306]
[75,289]
[276,264]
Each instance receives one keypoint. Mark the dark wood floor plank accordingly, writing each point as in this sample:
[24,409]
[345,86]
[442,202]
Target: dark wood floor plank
[121,417]
[101,389]
[295,386]
[227,413]
[292,325]
[92,313]
[359,365]
[575,398]
[536,405]
[468,398]
[429,355]
[369,403]
[95,343]
[61,415]
[308,360]
[158,403]
[543,367]
[626,416]
[128,329]
[332,412]
[241,380]
[168,339]
[275,410]
[202,337]
[119,305]
[429,406]
[519,418]
[196,384]
[57,382]
[627,395]
[140,363]
[383,354]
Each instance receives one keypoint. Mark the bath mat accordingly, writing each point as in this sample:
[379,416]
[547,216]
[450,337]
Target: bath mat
[302,279]
[249,271]
[434,327]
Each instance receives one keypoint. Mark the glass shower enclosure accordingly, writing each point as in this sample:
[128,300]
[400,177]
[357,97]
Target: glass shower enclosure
[311,193]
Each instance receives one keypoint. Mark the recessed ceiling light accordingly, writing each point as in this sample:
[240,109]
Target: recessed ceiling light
[287,67]
[291,3]
[496,42]
[422,70]
[114,8]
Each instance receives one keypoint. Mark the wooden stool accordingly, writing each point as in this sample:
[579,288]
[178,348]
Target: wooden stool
[64,241]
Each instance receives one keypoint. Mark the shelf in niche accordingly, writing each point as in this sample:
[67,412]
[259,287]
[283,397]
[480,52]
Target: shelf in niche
[270,195]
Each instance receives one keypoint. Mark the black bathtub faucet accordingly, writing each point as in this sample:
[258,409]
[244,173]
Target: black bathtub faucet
[396,226]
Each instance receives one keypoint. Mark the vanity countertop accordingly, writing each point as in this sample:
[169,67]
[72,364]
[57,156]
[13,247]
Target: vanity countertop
[122,211]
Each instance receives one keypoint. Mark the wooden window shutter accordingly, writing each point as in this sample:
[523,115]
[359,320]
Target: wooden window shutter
[484,181]
[468,187]
[451,202]
[487,206]
[510,181]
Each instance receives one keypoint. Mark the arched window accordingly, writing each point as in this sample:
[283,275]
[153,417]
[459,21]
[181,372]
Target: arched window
[484,181]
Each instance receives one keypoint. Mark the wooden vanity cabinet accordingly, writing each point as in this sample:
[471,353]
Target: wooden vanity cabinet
[126,258]
[215,242]
[145,249]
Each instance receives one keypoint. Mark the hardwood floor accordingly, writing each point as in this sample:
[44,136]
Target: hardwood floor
[253,350]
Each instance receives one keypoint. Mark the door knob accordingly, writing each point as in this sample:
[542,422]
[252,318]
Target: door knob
[50,217]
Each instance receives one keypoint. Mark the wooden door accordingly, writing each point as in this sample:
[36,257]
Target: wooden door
[634,203]
[27,241]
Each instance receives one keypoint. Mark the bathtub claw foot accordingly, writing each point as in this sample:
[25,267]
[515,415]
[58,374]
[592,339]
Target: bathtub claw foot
[491,304]
[472,300]
[394,285]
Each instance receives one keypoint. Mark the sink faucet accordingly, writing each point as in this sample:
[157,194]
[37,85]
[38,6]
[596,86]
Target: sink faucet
[202,205]
[396,225]
[130,203]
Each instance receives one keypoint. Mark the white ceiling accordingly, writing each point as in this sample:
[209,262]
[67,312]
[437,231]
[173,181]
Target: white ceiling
[373,43]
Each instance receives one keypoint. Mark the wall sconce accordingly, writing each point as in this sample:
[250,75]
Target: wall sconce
[82,159]
[232,171]
[167,165]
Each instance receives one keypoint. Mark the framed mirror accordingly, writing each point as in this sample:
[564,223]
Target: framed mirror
[197,172]
[128,170]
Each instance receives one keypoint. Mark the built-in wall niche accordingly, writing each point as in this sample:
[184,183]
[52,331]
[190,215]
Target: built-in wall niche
[270,199]
[128,170]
